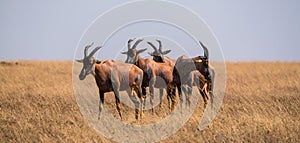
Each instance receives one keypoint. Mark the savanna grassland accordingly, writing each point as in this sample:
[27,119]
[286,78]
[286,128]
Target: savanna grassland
[261,104]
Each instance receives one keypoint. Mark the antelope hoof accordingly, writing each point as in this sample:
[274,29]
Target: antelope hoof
[121,117]
[136,117]
[99,116]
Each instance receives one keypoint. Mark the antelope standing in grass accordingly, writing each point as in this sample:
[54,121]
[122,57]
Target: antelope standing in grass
[185,66]
[152,71]
[113,76]
[194,78]
[158,56]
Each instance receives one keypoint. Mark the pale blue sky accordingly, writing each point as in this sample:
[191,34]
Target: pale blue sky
[247,30]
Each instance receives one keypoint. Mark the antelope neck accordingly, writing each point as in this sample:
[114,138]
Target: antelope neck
[93,70]
[139,62]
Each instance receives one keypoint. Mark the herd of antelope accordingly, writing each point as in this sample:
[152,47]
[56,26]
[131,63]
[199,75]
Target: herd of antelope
[138,73]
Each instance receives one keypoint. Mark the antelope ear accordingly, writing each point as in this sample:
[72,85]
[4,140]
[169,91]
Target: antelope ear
[140,51]
[125,53]
[151,54]
[198,61]
[80,61]
[166,52]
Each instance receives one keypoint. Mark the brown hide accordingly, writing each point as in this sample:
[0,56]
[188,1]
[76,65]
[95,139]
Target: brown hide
[185,65]
[152,69]
[123,76]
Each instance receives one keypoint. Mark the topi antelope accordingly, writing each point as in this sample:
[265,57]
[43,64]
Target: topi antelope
[153,71]
[113,76]
[193,78]
[158,56]
[183,68]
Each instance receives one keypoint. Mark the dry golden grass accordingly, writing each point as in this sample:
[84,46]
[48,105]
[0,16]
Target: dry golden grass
[261,105]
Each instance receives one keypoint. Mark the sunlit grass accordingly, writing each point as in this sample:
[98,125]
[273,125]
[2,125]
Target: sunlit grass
[261,105]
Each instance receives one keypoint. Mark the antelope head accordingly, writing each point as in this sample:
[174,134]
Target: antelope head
[158,54]
[132,53]
[88,62]
[202,62]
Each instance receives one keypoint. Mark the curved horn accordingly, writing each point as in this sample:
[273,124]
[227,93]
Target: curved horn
[87,48]
[155,49]
[204,49]
[129,42]
[94,51]
[136,43]
[160,46]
